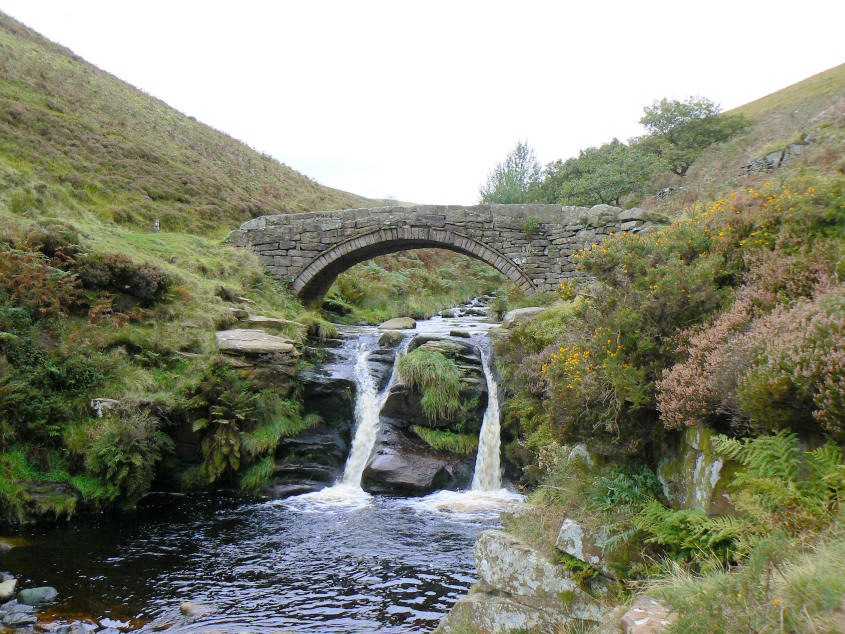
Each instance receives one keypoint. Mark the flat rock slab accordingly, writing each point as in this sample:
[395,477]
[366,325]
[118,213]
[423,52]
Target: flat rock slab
[270,323]
[398,323]
[249,341]
[520,315]
[647,616]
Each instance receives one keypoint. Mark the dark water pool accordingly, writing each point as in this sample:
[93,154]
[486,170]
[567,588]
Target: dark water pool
[386,567]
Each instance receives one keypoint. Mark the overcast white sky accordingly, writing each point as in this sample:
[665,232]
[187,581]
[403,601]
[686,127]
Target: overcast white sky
[419,100]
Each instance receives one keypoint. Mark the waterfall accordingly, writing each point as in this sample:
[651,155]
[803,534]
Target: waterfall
[368,404]
[487,476]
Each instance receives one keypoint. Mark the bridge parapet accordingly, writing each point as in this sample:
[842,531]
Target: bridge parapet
[533,245]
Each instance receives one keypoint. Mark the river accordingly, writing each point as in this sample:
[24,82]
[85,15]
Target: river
[338,560]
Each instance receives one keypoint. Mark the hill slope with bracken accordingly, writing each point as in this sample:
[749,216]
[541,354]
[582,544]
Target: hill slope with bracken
[126,155]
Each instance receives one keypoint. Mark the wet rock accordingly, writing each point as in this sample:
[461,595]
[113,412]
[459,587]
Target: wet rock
[476,312]
[308,461]
[7,589]
[391,338]
[520,315]
[398,323]
[405,466]
[4,545]
[332,397]
[38,596]
[459,333]
[647,616]
[194,609]
[19,619]
[448,313]
[77,628]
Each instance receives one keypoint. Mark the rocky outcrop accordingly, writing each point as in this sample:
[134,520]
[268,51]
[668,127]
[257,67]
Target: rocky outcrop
[315,458]
[403,407]
[693,475]
[270,360]
[519,588]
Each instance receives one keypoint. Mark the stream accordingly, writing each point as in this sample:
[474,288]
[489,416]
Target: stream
[335,560]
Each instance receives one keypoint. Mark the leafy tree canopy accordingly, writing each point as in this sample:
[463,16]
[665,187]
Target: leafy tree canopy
[515,180]
[601,175]
[680,130]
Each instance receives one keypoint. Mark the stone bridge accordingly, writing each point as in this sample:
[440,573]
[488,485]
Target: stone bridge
[532,245]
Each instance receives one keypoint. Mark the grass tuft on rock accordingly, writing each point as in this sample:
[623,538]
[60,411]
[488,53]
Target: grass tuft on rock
[444,440]
[439,380]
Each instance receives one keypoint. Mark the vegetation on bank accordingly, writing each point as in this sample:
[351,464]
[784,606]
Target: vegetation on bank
[731,320]
[417,284]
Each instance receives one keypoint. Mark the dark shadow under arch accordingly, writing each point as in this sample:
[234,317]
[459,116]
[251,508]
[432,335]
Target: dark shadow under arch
[314,281]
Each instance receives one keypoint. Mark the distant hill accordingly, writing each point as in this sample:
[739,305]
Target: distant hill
[127,155]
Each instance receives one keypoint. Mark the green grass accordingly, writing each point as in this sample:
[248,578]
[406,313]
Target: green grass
[445,440]
[439,380]
[128,157]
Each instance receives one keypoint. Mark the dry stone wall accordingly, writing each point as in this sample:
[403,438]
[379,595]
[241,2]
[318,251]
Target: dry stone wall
[533,245]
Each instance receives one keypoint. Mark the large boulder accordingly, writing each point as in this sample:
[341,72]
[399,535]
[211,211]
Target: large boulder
[398,323]
[520,315]
[405,466]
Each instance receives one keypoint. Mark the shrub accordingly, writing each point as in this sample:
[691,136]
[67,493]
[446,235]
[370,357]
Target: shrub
[117,273]
[122,451]
[238,425]
[781,369]
[28,280]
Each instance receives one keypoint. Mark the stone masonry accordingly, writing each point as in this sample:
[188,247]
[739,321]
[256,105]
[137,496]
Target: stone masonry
[532,245]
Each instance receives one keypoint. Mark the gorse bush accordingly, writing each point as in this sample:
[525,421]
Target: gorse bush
[597,373]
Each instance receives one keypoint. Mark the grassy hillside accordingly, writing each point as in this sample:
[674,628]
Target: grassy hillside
[127,157]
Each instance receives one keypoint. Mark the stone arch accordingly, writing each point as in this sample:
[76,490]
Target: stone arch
[315,279]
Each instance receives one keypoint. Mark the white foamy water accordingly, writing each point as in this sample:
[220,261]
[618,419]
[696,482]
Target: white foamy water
[488,476]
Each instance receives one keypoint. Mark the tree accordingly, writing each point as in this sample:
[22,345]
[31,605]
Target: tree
[516,180]
[601,175]
[680,130]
